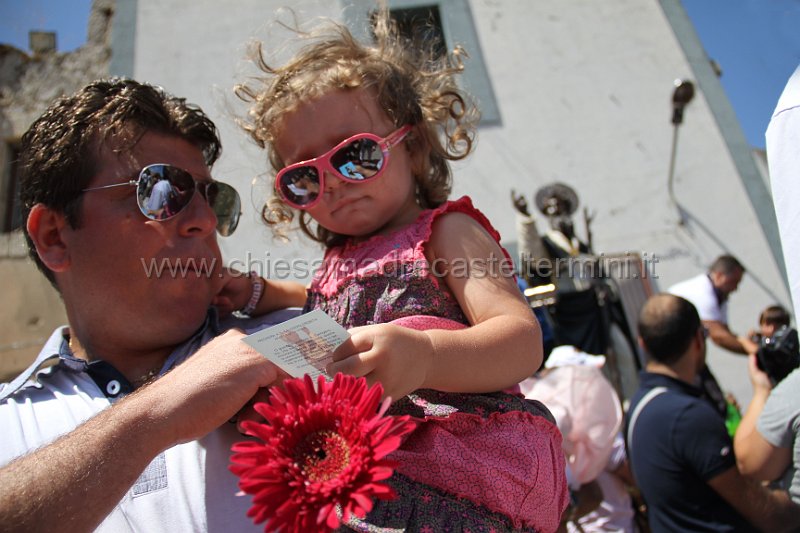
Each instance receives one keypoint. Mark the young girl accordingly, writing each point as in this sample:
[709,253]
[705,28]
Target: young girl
[434,312]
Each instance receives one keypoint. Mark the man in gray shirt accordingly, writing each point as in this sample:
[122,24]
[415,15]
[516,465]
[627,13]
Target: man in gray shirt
[766,442]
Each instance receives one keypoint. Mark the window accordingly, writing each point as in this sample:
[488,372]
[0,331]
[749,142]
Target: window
[9,195]
[444,24]
[422,24]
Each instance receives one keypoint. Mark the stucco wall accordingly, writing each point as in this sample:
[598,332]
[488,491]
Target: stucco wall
[31,310]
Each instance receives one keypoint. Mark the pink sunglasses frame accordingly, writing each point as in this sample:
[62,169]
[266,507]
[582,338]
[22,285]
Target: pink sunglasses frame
[322,163]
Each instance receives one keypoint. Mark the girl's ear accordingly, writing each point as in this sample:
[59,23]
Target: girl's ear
[46,229]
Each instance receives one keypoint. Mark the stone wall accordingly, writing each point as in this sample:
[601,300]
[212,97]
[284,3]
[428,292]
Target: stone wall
[28,84]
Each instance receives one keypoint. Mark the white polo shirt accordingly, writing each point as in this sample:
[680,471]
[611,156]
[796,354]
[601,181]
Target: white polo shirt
[186,488]
[700,291]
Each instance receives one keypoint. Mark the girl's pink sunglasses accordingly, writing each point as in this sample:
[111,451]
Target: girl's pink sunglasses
[356,159]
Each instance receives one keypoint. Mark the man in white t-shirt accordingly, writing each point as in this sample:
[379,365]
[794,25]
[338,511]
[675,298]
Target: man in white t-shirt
[709,293]
[158,199]
[783,140]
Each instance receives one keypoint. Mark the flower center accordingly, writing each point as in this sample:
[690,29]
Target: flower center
[322,455]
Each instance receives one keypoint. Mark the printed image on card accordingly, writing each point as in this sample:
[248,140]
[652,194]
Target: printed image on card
[302,345]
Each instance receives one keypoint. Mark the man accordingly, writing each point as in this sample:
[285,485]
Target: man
[709,293]
[88,444]
[766,443]
[680,453]
[158,203]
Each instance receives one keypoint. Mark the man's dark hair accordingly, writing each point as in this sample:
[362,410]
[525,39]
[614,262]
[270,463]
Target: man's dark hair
[667,325]
[58,156]
[776,315]
[726,264]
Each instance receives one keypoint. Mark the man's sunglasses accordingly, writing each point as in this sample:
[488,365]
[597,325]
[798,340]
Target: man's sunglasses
[357,159]
[163,191]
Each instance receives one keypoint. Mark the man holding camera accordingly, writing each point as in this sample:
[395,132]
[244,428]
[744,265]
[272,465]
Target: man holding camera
[679,449]
[766,442]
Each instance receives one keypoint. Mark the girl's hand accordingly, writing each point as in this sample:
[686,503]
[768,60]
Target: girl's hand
[399,358]
[235,292]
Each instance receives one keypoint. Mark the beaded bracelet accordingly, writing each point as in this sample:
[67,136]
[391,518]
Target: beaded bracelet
[258,290]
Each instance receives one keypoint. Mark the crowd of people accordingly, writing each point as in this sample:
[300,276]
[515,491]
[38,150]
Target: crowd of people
[134,405]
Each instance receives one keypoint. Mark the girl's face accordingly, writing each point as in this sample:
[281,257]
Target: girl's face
[378,206]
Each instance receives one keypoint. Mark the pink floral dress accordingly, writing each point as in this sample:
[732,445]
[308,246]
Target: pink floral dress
[476,462]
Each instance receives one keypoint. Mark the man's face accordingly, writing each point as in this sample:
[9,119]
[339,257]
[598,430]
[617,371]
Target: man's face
[129,273]
[727,283]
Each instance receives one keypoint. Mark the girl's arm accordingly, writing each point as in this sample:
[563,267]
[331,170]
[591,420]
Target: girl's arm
[501,348]
[280,295]
[238,289]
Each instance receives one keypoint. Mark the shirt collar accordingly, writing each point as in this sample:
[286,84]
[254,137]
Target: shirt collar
[57,347]
[207,331]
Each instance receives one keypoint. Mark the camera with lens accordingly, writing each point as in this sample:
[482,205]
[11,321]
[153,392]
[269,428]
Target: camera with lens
[779,354]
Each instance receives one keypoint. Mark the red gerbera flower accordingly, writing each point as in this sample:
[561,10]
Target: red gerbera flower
[322,455]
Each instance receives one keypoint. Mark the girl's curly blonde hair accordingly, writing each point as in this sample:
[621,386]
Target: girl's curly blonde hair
[412,87]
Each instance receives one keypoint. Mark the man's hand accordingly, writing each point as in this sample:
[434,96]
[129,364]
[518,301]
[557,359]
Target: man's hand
[187,403]
[758,377]
[748,344]
[209,388]
[248,413]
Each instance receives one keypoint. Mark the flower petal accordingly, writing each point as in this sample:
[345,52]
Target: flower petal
[321,455]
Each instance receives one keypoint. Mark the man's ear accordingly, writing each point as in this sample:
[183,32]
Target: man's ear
[701,336]
[46,229]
